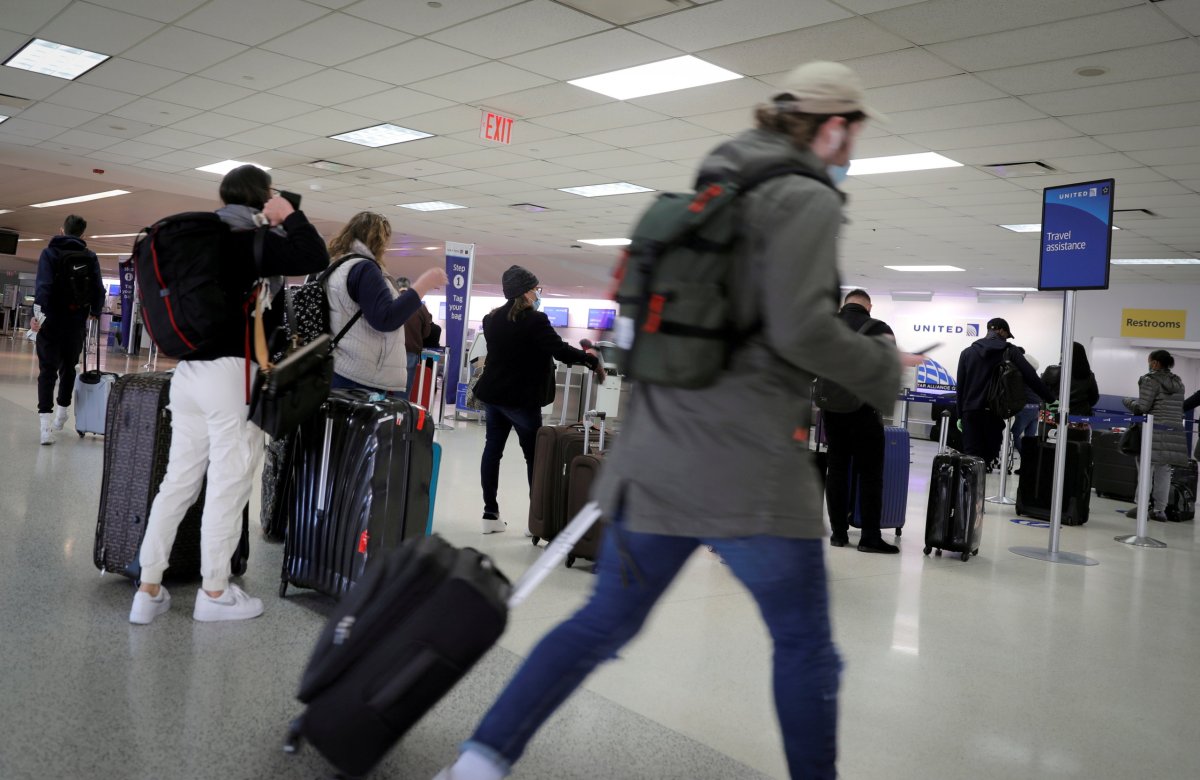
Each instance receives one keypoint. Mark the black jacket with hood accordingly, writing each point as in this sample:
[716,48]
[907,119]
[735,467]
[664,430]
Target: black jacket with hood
[977,365]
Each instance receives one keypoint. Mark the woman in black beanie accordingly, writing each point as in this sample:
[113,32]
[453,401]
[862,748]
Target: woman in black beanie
[518,379]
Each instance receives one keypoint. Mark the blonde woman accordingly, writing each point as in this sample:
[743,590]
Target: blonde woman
[371,355]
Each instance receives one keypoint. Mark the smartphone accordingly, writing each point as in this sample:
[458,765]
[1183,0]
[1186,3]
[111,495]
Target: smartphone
[928,349]
[291,198]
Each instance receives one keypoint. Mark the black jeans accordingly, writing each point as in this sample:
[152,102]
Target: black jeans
[500,421]
[855,449]
[983,434]
[58,351]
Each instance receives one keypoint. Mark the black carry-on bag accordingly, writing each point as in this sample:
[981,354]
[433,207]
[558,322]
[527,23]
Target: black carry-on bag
[954,519]
[411,628]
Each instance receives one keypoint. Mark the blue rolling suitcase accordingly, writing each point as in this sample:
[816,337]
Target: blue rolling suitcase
[895,481]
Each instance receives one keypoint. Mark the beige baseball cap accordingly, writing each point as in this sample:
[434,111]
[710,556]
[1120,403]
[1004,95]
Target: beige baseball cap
[822,87]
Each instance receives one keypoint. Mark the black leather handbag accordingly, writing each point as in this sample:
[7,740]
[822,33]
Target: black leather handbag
[1131,440]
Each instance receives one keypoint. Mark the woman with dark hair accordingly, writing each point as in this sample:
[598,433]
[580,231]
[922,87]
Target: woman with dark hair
[371,356]
[518,380]
[1161,394]
[1084,392]
[210,434]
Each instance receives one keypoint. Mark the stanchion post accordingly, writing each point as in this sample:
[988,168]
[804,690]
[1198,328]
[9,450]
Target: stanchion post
[1005,447]
[1141,536]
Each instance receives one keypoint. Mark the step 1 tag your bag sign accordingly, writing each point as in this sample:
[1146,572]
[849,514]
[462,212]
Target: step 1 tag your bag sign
[460,265]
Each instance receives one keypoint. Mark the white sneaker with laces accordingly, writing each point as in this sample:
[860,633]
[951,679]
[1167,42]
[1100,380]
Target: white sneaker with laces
[146,607]
[60,417]
[45,425]
[233,604]
[494,525]
[471,766]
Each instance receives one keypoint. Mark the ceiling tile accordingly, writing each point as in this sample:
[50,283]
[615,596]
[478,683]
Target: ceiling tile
[258,69]
[694,149]
[445,121]
[393,103]
[202,93]
[1111,97]
[173,138]
[481,81]
[215,125]
[30,17]
[604,117]
[90,98]
[700,100]
[27,85]
[1092,163]
[653,133]
[947,20]
[1151,139]
[129,76]
[271,137]
[934,92]
[731,21]
[27,129]
[328,121]
[139,150]
[1132,64]
[158,165]
[412,61]
[560,147]
[1184,12]
[419,168]
[897,67]
[887,146]
[251,23]
[500,187]
[527,169]
[113,157]
[462,178]
[523,27]
[267,108]
[185,160]
[1134,119]
[599,53]
[608,159]
[98,29]
[1036,150]
[1091,34]
[155,112]
[328,87]
[159,10]
[60,116]
[425,148]
[321,149]
[227,150]
[990,134]
[182,50]
[724,121]
[419,18]
[983,112]
[321,41]
[118,127]
[785,51]
[549,99]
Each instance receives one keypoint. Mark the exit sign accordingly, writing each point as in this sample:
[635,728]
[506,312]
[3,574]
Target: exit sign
[496,127]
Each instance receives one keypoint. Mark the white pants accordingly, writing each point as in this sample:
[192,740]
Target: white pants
[209,433]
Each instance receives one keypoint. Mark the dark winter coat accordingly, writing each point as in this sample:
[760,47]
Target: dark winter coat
[1161,394]
[977,365]
[53,302]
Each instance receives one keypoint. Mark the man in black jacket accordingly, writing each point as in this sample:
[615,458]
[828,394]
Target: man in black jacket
[68,291]
[983,431]
[857,436]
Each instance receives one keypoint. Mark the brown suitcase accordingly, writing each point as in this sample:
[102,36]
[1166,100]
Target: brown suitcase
[555,447]
[584,470]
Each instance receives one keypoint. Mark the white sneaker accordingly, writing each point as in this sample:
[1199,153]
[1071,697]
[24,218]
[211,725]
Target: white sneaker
[60,417]
[233,604]
[471,766]
[45,423]
[146,607]
[494,525]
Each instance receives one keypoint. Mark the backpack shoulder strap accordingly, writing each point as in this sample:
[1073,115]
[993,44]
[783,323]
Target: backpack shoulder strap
[866,325]
[324,278]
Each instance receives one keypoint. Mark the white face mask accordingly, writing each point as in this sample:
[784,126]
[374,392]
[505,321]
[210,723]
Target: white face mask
[838,173]
[537,301]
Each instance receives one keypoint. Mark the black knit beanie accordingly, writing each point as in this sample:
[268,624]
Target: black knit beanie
[517,281]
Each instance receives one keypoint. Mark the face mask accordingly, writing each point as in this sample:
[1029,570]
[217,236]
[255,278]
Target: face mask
[838,173]
[537,301]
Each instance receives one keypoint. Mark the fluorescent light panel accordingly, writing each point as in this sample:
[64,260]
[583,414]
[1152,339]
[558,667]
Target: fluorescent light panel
[601,190]
[5,211]
[3,119]
[1159,261]
[430,205]
[924,268]
[1006,289]
[656,78]
[605,241]
[381,135]
[431,248]
[901,163]
[79,199]
[31,239]
[55,59]
[225,166]
[1035,227]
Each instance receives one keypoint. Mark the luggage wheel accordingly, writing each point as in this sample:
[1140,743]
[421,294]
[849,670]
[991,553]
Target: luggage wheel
[293,741]
[282,589]
[535,540]
[965,557]
[570,561]
[81,435]
[898,530]
[928,549]
[938,553]
[974,552]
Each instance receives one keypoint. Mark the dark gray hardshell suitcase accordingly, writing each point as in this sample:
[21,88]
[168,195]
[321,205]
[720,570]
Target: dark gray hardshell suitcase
[1036,486]
[954,519]
[1114,473]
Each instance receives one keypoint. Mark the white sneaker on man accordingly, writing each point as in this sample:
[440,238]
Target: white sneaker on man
[146,607]
[45,424]
[60,417]
[233,604]
[492,524]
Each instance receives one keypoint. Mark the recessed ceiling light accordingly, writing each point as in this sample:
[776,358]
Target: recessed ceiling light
[925,268]
[5,211]
[430,205]
[1160,261]
[116,235]
[225,166]
[1006,289]
[656,78]
[605,241]
[78,199]
[381,135]
[55,59]
[600,190]
[328,165]
[31,239]
[1035,227]
[901,163]
[1089,71]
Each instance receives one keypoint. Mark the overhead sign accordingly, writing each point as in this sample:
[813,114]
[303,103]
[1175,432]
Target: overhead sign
[1076,236]
[1154,323]
[459,266]
[496,127]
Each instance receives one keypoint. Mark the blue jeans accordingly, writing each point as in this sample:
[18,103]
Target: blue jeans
[786,578]
[1024,424]
[412,359]
[500,421]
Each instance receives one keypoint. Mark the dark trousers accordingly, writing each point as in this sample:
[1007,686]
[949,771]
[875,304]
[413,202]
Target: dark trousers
[500,422]
[983,434]
[58,352]
[855,449]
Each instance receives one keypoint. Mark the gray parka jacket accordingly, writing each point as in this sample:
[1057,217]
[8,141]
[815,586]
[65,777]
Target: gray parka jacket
[1161,394]
[732,459]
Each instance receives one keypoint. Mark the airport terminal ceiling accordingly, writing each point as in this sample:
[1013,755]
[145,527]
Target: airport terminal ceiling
[1052,93]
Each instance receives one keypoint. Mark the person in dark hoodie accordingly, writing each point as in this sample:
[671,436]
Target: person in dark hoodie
[983,431]
[1160,393]
[1085,393]
[68,291]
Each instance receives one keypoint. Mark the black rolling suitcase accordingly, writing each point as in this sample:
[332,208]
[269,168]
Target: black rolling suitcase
[954,518]
[1036,485]
[1181,501]
[1114,473]
[136,447]
[402,638]
[362,477]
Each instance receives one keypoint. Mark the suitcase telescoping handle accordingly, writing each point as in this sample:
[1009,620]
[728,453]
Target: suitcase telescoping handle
[587,429]
[945,432]
[555,553]
[326,446]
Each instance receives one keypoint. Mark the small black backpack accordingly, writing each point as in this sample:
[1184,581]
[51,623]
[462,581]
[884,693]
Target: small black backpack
[75,283]
[1006,393]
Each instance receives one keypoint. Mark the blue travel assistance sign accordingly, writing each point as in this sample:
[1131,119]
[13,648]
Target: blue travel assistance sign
[1076,236]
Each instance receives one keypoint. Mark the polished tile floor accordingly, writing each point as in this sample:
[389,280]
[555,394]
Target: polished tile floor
[1003,667]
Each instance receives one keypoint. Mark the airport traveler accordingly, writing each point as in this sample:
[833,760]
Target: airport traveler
[1026,421]
[372,354]
[519,380]
[68,291]
[728,465]
[417,330]
[983,431]
[210,433]
[1191,403]
[1085,393]
[1160,393]
[857,437]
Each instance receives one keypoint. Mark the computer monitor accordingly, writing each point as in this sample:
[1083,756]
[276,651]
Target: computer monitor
[601,319]
[559,316]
